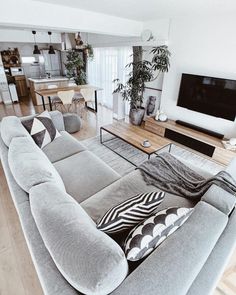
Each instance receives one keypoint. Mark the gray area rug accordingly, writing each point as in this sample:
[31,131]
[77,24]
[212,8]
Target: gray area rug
[123,167]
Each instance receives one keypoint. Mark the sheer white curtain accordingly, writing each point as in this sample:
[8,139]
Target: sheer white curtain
[108,64]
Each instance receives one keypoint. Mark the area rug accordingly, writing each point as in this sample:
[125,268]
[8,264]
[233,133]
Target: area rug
[123,167]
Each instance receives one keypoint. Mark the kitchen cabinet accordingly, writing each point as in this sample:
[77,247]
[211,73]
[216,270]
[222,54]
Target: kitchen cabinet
[21,86]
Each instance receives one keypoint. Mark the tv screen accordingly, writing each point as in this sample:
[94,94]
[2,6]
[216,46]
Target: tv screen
[208,95]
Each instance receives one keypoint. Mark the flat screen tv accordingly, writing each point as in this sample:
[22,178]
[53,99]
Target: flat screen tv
[208,95]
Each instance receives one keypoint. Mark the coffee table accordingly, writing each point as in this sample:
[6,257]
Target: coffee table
[134,136]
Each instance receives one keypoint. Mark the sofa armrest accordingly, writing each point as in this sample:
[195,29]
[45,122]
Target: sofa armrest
[219,198]
[58,120]
[173,266]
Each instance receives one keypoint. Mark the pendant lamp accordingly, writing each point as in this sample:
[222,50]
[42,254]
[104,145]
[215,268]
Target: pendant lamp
[36,49]
[51,49]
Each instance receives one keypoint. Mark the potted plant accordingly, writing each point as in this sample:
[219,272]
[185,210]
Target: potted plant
[89,51]
[142,71]
[75,67]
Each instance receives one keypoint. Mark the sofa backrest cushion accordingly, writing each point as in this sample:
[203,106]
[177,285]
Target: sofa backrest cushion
[11,127]
[30,166]
[89,259]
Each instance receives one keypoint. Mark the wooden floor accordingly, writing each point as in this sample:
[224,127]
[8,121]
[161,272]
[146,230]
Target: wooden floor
[17,273]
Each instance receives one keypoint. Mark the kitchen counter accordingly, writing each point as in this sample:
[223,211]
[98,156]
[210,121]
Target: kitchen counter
[43,83]
[48,80]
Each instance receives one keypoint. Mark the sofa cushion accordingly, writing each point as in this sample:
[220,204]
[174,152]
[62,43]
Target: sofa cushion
[11,127]
[84,174]
[30,166]
[124,188]
[89,259]
[150,233]
[129,213]
[41,129]
[63,147]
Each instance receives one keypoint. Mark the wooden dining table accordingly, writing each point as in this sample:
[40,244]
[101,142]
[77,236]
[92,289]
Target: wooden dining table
[51,92]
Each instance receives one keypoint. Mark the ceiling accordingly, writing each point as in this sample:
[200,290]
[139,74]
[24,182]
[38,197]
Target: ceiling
[141,10]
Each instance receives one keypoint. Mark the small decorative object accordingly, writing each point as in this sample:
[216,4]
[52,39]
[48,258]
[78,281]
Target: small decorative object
[232,141]
[228,146]
[146,143]
[161,116]
[78,40]
[157,115]
[151,105]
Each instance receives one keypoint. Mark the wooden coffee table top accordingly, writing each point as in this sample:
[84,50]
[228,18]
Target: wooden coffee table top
[135,135]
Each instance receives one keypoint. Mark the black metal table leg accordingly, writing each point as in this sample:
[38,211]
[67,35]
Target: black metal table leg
[42,97]
[50,103]
[96,101]
[101,135]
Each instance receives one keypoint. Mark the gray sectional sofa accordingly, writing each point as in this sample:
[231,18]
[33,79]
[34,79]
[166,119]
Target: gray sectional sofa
[61,191]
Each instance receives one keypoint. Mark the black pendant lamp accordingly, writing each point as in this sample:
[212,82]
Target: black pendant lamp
[51,49]
[36,48]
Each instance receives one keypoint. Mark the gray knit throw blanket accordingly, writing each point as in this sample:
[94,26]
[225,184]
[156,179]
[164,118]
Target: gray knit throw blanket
[170,175]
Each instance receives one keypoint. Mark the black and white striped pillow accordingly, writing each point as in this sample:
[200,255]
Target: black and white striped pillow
[150,233]
[130,212]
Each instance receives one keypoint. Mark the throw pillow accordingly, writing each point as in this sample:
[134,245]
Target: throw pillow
[130,212]
[42,129]
[149,234]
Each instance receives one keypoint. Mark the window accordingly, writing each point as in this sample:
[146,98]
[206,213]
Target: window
[108,64]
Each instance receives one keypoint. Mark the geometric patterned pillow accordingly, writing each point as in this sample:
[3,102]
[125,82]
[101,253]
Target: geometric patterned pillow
[149,234]
[130,212]
[42,129]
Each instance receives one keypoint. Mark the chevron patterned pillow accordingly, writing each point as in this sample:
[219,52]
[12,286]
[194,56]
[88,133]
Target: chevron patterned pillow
[149,234]
[130,212]
[41,129]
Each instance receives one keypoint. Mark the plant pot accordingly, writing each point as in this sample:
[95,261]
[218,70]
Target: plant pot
[136,116]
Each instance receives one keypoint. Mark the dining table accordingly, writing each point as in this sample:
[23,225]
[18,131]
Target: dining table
[53,91]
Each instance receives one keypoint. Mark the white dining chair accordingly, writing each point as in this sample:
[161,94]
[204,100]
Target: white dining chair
[55,100]
[88,95]
[66,97]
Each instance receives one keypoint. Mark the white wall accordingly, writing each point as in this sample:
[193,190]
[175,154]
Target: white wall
[200,46]
[159,28]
